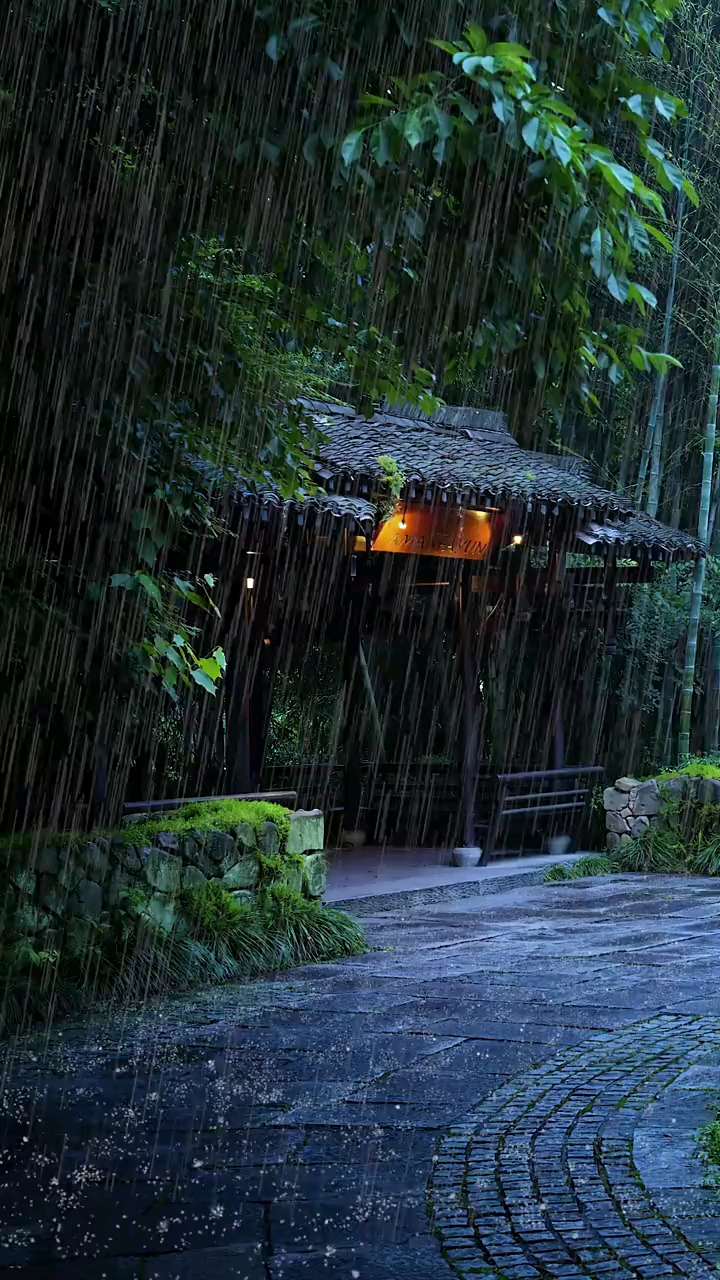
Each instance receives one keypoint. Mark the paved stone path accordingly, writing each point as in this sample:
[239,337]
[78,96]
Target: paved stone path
[501,1062]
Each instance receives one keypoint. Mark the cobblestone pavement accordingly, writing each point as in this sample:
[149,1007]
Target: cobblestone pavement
[502,1061]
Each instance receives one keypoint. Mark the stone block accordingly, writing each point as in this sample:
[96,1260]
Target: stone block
[613,840]
[708,790]
[230,860]
[118,887]
[47,862]
[168,841]
[617,822]
[52,895]
[307,831]
[269,838]
[243,875]
[218,844]
[675,787]
[243,897]
[25,922]
[192,877]
[624,840]
[162,871]
[626,784]
[95,862]
[143,852]
[25,882]
[86,902]
[314,875]
[639,826]
[646,800]
[71,867]
[126,856]
[160,912]
[244,835]
[613,799]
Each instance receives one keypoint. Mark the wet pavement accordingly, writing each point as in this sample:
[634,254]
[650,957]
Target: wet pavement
[505,1086]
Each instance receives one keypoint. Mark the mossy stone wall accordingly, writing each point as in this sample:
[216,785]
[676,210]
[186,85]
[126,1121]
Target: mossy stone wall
[49,888]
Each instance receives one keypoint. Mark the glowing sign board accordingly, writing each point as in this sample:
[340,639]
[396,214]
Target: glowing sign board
[452,533]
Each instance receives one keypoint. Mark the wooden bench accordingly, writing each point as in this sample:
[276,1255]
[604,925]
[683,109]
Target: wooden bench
[133,808]
[543,801]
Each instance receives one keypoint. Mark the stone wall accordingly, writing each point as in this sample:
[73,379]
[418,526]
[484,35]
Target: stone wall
[48,888]
[631,806]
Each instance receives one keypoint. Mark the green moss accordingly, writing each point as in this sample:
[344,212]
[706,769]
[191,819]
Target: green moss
[210,815]
[213,815]
[699,767]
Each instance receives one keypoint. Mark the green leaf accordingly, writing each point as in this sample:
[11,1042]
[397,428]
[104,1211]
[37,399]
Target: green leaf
[635,104]
[509,50]
[127,581]
[173,656]
[413,129]
[530,133]
[210,667]
[310,146]
[209,579]
[562,150]
[200,677]
[379,145]
[690,192]
[466,108]
[150,586]
[374,100]
[445,45]
[662,362]
[476,38]
[471,64]
[352,147]
[617,288]
[219,656]
[658,235]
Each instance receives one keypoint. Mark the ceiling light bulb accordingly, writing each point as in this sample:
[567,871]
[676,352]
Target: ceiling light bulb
[249,583]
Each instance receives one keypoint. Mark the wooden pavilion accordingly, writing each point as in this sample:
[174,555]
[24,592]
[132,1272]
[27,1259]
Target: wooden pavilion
[473,619]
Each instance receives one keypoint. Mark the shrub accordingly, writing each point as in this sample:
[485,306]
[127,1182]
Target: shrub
[704,860]
[126,959]
[558,871]
[592,865]
[211,911]
[654,851]
[708,1149]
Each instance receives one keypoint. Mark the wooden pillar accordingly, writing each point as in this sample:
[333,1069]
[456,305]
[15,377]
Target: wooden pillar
[351,709]
[470,716]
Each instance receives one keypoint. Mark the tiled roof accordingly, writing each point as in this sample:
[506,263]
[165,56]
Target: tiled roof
[470,454]
[641,530]
[458,449]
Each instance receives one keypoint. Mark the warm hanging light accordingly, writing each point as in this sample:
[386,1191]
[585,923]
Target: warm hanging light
[517,539]
[403,522]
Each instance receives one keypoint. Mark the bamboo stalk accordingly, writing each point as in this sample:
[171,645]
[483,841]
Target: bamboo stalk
[699,574]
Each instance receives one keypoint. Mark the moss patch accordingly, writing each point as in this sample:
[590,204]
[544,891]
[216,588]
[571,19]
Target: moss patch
[210,815]
[700,767]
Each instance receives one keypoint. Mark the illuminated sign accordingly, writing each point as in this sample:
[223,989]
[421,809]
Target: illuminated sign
[450,532]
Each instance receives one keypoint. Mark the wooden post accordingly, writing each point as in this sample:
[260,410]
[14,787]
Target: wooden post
[470,717]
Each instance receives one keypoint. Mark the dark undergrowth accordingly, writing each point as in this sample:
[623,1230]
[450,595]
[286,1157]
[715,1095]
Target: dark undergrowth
[125,960]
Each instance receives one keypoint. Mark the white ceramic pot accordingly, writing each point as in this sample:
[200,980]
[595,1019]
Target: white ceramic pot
[466,857]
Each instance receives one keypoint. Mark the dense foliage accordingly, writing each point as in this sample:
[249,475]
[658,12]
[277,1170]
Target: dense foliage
[212,210]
